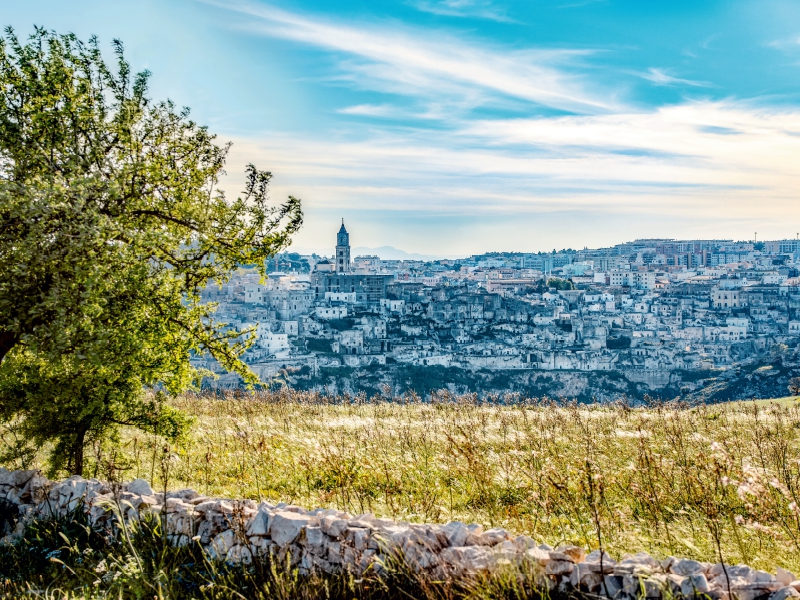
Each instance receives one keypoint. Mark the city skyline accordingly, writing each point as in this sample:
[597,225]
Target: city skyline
[392,253]
[461,126]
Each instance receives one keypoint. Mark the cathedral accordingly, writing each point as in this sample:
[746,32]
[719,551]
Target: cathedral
[368,288]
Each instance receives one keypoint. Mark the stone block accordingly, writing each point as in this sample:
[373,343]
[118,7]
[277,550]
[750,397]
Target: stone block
[685,567]
[785,593]
[492,537]
[140,487]
[285,526]
[559,567]
[259,523]
[456,533]
[695,584]
[334,526]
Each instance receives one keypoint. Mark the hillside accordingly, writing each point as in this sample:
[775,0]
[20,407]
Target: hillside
[765,379]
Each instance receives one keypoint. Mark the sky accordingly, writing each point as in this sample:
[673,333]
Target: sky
[453,127]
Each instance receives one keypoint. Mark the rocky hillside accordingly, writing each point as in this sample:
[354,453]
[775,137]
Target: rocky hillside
[758,380]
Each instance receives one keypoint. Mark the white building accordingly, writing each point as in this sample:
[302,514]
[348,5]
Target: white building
[393,305]
[349,297]
[331,312]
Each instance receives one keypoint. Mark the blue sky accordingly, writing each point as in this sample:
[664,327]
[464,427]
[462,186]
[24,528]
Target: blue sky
[459,126]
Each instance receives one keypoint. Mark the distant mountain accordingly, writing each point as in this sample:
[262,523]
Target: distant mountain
[391,253]
[384,252]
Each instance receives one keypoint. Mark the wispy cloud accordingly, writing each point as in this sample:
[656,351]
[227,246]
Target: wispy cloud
[699,163]
[661,77]
[674,156]
[788,45]
[476,9]
[369,110]
[435,65]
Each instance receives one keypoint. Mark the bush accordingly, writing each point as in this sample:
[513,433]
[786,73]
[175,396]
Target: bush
[341,324]
[318,345]
[560,284]
[618,343]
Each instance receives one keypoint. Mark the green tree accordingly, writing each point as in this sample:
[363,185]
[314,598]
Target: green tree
[111,224]
[560,284]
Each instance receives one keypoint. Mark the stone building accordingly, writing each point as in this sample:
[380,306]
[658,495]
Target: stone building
[367,288]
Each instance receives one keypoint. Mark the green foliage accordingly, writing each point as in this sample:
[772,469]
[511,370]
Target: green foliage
[560,284]
[110,226]
[318,344]
[74,403]
[341,324]
[673,476]
[618,343]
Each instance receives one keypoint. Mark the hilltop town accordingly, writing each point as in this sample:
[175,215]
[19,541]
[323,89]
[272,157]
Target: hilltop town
[644,310]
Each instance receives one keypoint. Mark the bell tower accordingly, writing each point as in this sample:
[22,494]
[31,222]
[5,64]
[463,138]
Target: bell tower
[343,250]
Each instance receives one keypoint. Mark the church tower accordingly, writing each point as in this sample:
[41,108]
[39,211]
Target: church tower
[343,250]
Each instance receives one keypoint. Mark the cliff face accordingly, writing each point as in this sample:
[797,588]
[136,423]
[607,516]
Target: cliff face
[760,380]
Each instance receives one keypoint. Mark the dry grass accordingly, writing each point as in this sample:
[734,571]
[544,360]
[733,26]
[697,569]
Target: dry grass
[697,481]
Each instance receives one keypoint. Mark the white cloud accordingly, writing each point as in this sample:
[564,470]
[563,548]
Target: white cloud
[369,110]
[434,65]
[480,9]
[660,77]
[658,162]
[605,173]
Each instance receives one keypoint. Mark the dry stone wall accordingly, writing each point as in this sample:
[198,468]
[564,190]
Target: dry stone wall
[331,541]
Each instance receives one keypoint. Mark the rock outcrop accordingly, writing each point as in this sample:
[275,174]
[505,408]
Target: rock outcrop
[331,541]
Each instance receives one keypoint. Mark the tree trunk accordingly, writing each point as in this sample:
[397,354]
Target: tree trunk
[7,341]
[77,452]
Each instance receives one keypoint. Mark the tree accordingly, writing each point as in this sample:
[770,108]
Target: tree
[560,284]
[618,343]
[73,403]
[111,224]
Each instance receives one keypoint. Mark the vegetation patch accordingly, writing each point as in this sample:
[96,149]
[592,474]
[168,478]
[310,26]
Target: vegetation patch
[667,478]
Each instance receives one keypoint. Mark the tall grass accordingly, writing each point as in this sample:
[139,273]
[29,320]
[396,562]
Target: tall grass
[711,482]
[64,559]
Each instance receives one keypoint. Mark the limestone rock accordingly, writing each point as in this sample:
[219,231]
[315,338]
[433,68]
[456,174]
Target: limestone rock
[593,562]
[559,567]
[466,558]
[537,554]
[456,533]
[259,523]
[140,487]
[695,584]
[785,593]
[285,526]
[492,537]
[685,567]
[785,577]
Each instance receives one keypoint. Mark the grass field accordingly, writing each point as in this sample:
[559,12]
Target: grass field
[700,482]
